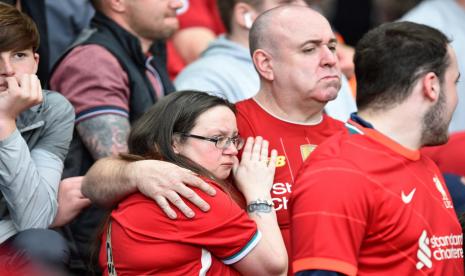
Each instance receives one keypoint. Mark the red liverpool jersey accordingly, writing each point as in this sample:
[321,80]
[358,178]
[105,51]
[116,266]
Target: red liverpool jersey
[146,242]
[294,143]
[365,205]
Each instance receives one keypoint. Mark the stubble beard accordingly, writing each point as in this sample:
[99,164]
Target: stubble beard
[435,126]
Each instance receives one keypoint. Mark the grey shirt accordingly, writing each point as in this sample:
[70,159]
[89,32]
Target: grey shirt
[31,163]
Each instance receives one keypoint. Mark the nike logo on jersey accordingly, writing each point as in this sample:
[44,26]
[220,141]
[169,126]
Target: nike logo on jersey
[408,198]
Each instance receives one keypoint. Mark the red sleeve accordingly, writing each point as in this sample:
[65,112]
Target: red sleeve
[226,231]
[335,199]
[92,79]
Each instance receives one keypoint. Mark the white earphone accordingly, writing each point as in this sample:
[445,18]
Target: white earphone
[248,20]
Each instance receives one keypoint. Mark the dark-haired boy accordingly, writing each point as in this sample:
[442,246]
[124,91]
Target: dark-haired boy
[35,131]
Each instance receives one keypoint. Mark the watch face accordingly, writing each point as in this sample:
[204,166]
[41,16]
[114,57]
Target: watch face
[260,206]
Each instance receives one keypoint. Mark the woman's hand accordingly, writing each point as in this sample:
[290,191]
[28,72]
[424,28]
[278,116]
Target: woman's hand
[255,173]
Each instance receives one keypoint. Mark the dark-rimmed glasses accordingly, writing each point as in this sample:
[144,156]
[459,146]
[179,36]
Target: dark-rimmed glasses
[221,142]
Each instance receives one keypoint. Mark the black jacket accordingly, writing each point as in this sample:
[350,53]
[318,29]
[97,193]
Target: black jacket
[81,233]
[128,51]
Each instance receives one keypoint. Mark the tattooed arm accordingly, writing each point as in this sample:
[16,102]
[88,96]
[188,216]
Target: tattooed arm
[104,135]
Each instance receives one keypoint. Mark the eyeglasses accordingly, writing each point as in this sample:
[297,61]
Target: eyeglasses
[221,142]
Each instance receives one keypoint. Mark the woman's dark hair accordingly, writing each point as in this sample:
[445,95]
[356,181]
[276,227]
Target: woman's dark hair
[152,135]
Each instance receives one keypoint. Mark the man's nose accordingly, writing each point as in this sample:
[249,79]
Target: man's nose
[6,69]
[329,57]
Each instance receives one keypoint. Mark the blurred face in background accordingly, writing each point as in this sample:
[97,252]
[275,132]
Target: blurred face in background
[153,19]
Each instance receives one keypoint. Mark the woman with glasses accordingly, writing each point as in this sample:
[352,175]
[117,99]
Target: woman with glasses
[198,132]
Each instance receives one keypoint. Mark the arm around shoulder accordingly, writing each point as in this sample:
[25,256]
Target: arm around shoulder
[108,181]
[111,179]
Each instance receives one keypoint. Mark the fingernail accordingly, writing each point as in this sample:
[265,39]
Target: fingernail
[205,207]
[190,214]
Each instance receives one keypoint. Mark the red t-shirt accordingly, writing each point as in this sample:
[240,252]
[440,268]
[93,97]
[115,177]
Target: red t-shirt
[365,205]
[146,242]
[294,143]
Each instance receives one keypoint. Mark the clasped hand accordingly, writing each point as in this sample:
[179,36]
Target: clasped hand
[22,93]
[254,174]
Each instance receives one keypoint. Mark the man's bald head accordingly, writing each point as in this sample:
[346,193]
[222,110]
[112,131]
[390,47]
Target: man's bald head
[277,23]
[294,51]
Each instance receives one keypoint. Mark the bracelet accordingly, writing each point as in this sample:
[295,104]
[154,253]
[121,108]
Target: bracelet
[260,205]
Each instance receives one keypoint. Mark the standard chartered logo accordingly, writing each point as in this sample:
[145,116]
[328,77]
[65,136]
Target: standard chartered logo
[424,252]
[280,192]
[438,247]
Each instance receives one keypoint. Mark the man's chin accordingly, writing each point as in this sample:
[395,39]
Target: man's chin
[171,26]
[436,140]
[330,94]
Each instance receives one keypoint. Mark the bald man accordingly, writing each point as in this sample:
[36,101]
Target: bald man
[299,73]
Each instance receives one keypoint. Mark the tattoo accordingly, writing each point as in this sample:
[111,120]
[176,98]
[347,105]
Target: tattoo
[104,135]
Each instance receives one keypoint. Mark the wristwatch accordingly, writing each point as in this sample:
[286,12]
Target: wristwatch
[260,205]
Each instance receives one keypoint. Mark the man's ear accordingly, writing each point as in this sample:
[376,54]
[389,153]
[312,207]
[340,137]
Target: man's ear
[263,62]
[244,15]
[431,86]
[36,65]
